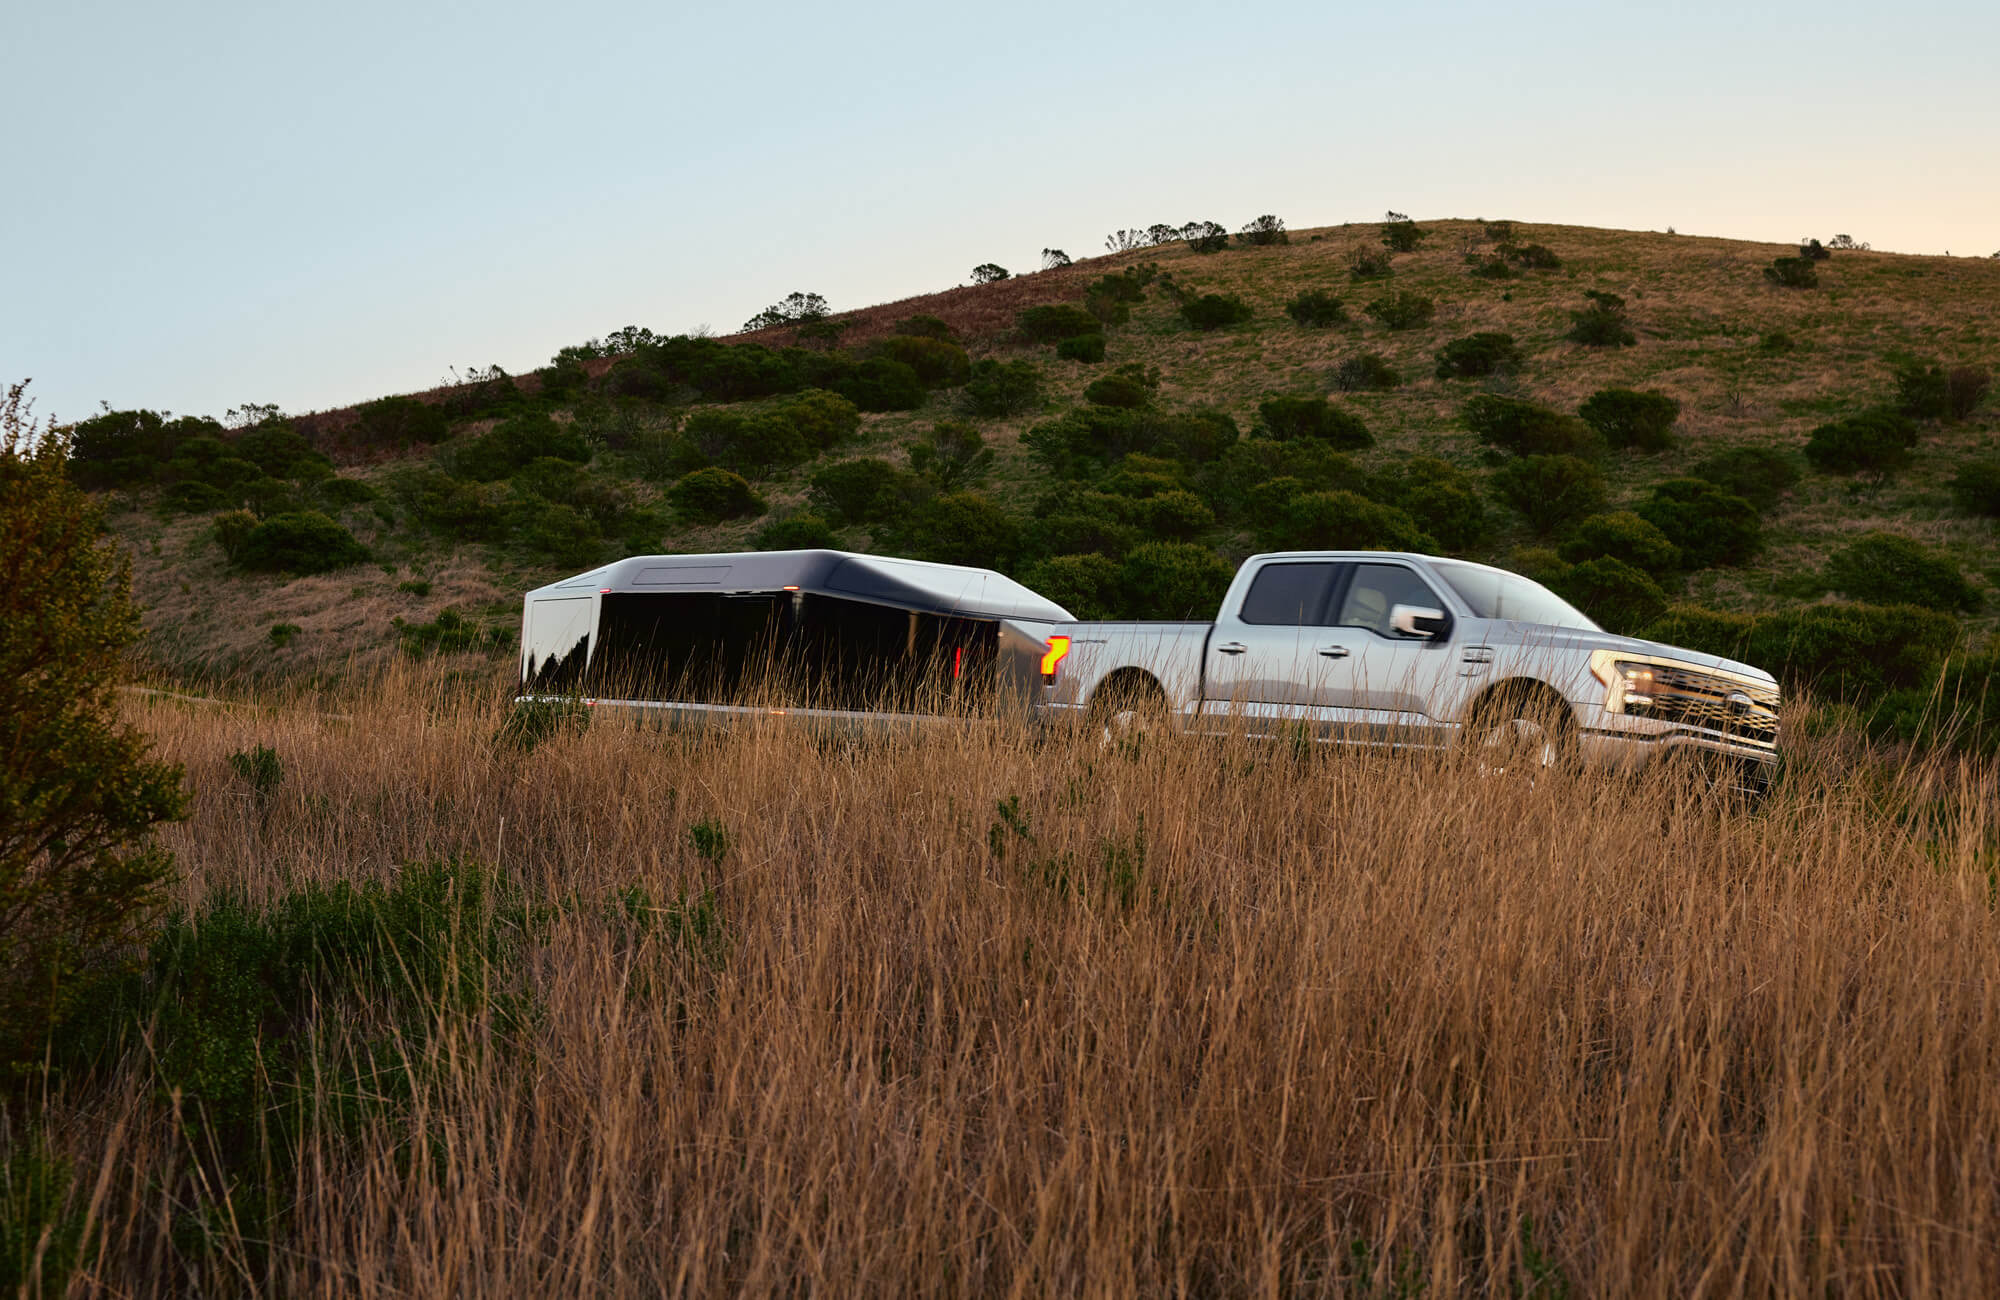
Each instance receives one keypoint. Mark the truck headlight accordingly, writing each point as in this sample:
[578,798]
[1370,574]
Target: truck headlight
[1631,685]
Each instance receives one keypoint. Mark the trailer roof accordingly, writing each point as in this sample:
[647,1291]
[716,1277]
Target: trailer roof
[878,579]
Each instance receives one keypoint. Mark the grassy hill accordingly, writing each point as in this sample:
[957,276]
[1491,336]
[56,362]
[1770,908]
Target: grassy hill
[1749,362]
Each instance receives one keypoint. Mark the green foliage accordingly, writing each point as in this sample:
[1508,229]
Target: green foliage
[1000,389]
[277,449]
[1082,442]
[1551,492]
[879,384]
[1884,568]
[1965,387]
[259,768]
[1087,585]
[1214,311]
[953,456]
[801,532]
[1367,264]
[1439,497]
[42,1223]
[1874,443]
[1173,515]
[1760,475]
[794,309]
[1087,348]
[1174,580]
[449,633]
[1976,487]
[338,492]
[1958,709]
[1403,236]
[399,422]
[531,724]
[864,491]
[1316,309]
[1122,388]
[1486,353]
[1709,526]
[1601,323]
[1494,267]
[451,507]
[955,528]
[1920,389]
[1706,630]
[1641,421]
[513,443]
[937,364]
[747,442]
[1264,232]
[80,792]
[1535,257]
[191,498]
[709,496]
[282,635]
[990,273]
[926,327]
[1618,597]
[1206,237]
[823,420]
[1054,322]
[1622,536]
[1528,429]
[303,541]
[1365,372]
[1403,310]
[131,448]
[1851,652]
[1312,417]
[1792,273]
[710,839]
[1341,520]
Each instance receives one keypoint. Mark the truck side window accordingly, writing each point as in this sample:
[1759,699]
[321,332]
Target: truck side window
[1288,595]
[1376,589]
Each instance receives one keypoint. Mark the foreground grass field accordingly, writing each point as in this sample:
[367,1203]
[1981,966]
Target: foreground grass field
[974,1014]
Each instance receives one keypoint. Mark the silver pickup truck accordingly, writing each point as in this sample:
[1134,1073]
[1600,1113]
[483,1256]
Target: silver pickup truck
[1385,648]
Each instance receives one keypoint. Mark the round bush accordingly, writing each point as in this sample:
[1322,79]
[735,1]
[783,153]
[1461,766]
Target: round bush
[1317,309]
[1976,487]
[1528,429]
[1641,421]
[192,498]
[1883,568]
[822,419]
[1087,348]
[1551,492]
[1214,311]
[864,491]
[1622,536]
[1368,372]
[879,384]
[1708,525]
[938,364]
[1176,515]
[1875,442]
[398,422]
[302,541]
[1442,499]
[1405,310]
[1342,521]
[796,533]
[1314,418]
[1487,353]
[1760,475]
[998,389]
[1118,390]
[1056,322]
[956,528]
[1617,596]
[1709,631]
[1852,652]
[1087,585]
[1176,580]
[709,496]
[750,442]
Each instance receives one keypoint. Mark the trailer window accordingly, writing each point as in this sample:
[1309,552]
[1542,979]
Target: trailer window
[1288,595]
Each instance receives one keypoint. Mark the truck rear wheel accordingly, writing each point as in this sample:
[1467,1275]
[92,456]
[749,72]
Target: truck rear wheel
[1125,710]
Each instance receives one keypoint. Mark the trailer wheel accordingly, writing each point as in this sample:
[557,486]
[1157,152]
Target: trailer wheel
[1125,710]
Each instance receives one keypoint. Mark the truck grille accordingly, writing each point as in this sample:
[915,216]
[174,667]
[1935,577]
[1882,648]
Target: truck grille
[1742,711]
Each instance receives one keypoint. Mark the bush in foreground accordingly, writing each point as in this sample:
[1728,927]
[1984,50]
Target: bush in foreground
[1883,568]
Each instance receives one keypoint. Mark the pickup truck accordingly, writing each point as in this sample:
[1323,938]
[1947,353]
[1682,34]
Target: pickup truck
[1404,650]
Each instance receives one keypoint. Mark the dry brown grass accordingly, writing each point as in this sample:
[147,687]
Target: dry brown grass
[1364,1026]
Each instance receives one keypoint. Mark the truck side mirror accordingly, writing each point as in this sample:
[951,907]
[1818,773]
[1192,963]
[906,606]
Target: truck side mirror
[1418,621]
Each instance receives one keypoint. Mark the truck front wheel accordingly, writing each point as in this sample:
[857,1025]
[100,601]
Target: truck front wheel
[1521,731]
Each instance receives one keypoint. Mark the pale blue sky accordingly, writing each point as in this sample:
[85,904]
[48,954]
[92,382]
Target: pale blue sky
[311,206]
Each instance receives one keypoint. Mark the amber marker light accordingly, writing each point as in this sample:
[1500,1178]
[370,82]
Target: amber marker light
[1058,647]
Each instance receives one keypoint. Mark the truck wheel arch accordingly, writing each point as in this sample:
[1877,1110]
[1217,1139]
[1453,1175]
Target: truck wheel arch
[1127,688]
[1535,702]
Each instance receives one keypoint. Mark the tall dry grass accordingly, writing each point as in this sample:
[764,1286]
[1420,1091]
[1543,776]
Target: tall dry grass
[1224,1020]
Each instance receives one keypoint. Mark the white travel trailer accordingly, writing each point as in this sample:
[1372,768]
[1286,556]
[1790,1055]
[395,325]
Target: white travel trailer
[825,633]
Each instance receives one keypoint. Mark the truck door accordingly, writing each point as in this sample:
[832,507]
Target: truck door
[1264,663]
[1383,679]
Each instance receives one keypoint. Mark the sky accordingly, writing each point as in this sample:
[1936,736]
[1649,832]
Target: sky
[224,203]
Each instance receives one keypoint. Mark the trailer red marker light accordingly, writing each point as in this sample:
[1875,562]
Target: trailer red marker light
[958,662]
[1058,647]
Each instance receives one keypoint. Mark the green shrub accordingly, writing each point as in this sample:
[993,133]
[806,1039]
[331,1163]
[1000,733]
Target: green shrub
[1976,487]
[1312,417]
[1852,652]
[1792,273]
[879,384]
[1528,429]
[1176,515]
[1082,442]
[1440,498]
[1366,372]
[1087,585]
[449,633]
[800,532]
[1601,322]
[1958,709]
[1000,389]
[926,327]
[748,442]
[1709,526]
[129,448]
[1087,348]
[507,446]
[864,491]
[1403,236]
[1760,475]
[937,364]
[277,449]
[1494,267]
[1055,322]
[1214,311]
[1206,236]
[1883,568]
[1404,310]
[990,273]
[1705,630]
[303,541]
[398,422]
[1119,389]
[530,724]
[1551,492]
[709,496]
[1777,342]
[1641,421]
[1874,442]
[1173,580]
[1625,537]
[956,528]
[1341,520]
[1234,482]
[42,1227]
[1618,597]
[1367,264]
[1487,353]
[1264,232]
[954,455]
[1536,257]
[456,509]
[341,492]
[1920,389]
[1316,308]
[555,531]
[1965,387]
[191,498]
[822,419]
[282,635]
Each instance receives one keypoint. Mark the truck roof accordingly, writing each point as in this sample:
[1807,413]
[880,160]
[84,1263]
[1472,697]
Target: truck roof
[878,579]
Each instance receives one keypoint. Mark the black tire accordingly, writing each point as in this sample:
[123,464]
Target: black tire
[1125,710]
[1521,731]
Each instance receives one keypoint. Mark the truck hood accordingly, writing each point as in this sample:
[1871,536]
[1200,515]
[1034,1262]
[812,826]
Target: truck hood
[1533,635]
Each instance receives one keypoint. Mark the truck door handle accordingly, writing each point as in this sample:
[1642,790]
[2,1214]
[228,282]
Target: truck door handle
[1334,651]
[1231,648]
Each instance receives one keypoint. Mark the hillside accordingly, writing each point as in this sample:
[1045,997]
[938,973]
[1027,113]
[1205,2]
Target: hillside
[469,495]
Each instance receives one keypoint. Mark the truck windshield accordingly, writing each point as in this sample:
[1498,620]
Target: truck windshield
[1494,594]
